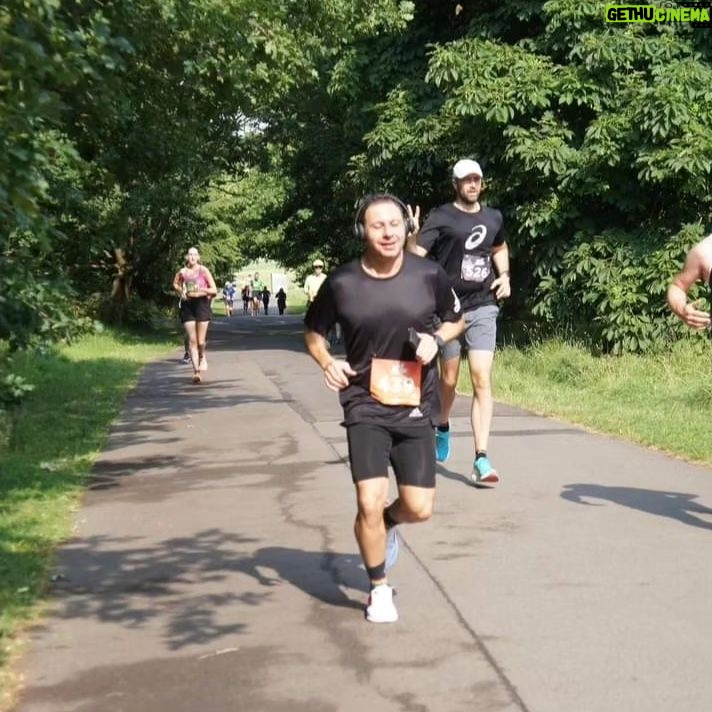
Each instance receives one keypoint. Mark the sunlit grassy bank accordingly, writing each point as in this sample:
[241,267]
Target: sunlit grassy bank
[58,433]
[663,400]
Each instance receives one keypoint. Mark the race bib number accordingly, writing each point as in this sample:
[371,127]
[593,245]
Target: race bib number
[395,382]
[475,268]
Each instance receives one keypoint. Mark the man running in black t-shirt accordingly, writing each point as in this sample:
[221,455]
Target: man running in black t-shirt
[468,240]
[387,383]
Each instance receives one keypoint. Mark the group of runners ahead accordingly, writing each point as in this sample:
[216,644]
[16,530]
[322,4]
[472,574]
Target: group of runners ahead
[398,312]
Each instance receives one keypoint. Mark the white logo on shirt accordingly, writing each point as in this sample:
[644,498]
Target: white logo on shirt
[457,306]
[476,237]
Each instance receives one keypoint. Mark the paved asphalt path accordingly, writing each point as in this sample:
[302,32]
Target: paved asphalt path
[214,567]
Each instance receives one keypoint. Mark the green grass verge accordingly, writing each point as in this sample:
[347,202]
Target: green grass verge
[58,434]
[661,401]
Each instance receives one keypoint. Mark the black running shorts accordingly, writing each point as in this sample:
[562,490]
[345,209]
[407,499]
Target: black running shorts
[409,450]
[196,309]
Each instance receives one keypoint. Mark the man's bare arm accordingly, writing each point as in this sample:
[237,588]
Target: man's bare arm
[318,349]
[693,271]
[336,372]
[450,330]
[500,257]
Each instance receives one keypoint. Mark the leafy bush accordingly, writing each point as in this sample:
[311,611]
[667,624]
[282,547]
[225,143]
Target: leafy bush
[135,313]
[596,143]
[610,288]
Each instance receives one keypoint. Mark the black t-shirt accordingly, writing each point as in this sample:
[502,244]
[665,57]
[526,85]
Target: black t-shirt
[375,315]
[462,243]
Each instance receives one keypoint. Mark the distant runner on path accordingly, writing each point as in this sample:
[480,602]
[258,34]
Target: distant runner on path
[386,302]
[313,282]
[258,286]
[196,287]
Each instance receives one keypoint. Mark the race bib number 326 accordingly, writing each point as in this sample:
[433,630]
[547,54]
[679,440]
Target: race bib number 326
[474,268]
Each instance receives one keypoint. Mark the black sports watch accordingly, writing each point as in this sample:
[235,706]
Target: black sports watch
[439,340]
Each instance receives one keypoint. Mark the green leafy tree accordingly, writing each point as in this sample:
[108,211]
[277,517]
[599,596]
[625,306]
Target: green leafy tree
[134,129]
[596,141]
[35,296]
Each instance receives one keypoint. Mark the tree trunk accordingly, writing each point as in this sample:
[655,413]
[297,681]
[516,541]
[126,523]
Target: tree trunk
[121,287]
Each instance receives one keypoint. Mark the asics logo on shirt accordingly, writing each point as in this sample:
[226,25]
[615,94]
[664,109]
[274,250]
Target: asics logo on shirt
[476,237]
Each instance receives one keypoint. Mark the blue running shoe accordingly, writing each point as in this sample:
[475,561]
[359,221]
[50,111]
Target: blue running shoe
[442,445]
[483,474]
[392,547]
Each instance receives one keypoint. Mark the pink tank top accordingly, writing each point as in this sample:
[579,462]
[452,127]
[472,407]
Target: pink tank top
[200,279]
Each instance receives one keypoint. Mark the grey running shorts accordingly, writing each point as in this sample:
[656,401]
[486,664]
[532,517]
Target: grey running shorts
[480,332]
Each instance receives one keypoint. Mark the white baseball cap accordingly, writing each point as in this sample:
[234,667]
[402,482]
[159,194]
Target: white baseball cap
[466,167]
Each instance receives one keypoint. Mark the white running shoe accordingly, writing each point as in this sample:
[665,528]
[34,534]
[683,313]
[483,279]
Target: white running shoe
[392,547]
[380,608]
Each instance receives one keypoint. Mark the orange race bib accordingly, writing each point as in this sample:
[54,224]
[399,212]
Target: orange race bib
[395,382]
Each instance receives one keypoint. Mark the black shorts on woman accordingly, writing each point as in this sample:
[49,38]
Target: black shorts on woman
[195,309]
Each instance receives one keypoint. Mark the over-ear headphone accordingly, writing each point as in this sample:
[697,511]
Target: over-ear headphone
[358,229]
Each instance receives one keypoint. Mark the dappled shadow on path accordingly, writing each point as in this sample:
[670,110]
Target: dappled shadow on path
[165,397]
[261,464]
[202,590]
[674,505]
[320,574]
[188,585]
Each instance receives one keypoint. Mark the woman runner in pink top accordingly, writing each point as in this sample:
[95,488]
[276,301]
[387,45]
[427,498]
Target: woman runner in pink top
[196,287]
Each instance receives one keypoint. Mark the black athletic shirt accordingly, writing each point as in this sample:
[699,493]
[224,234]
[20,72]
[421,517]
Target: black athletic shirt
[462,243]
[375,315]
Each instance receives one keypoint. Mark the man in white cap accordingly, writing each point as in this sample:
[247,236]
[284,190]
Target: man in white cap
[313,282]
[468,240]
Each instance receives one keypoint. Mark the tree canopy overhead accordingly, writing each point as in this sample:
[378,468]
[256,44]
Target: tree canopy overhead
[132,129]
